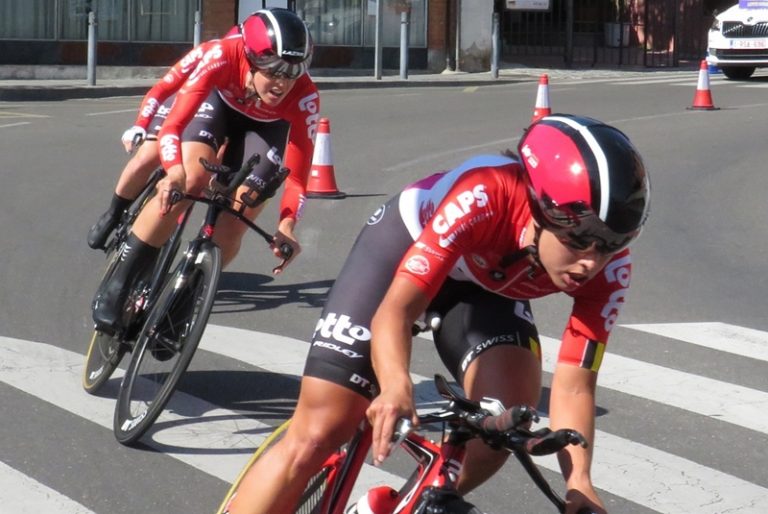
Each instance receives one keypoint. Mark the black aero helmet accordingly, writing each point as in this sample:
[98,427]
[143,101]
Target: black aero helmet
[586,181]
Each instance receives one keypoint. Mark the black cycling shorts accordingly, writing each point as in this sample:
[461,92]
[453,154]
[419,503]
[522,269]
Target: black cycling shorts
[215,121]
[473,319]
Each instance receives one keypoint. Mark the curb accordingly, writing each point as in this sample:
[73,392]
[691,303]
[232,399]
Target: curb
[43,94]
[69,92]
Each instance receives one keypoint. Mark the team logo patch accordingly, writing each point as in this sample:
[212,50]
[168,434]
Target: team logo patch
[377,216]
[418,265]
[479,261]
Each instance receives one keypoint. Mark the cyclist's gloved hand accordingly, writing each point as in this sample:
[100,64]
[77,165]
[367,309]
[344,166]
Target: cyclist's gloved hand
[133,137]
[285,246]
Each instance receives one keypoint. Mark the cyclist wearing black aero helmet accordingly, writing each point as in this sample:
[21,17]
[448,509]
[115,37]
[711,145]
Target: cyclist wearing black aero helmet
[471,247]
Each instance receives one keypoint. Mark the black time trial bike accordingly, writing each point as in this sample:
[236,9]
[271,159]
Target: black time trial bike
[176,320]
[106,350]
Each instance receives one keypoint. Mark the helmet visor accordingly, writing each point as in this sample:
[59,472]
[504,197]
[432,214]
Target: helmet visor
[579,228]
[277,67]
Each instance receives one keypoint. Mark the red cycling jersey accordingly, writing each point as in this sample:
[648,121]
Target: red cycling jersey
[223,66]
[170,83]
[466,221]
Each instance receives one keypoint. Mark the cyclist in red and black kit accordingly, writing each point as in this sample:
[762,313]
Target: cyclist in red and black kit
[252,89]
[144,131]
[471,247]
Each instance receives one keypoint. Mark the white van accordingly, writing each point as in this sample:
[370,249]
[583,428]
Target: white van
[738,40]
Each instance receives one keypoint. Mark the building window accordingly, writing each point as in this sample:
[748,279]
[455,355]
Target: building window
[27,19]
[353,22]
[117,20]
[163,20]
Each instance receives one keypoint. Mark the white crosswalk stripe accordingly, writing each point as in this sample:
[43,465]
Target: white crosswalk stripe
[658,480]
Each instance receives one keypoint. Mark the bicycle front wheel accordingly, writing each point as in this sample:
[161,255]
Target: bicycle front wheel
[166,344]
[322,495]
[268,443]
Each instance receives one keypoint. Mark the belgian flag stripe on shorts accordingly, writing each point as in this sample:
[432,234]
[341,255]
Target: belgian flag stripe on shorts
[593,355]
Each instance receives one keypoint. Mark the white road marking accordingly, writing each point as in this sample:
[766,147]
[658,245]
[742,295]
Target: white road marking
[54,375]
[21,494]
[658,480]
[722,337]
[714,399]
[103,113]
[15,124]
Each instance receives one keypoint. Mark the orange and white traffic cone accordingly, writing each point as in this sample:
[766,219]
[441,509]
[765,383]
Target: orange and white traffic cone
[702,100]
[541,108]
[321,182]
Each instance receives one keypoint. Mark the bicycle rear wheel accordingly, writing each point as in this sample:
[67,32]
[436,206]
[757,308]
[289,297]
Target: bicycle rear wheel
[104,355]
[104,351]
[166,344]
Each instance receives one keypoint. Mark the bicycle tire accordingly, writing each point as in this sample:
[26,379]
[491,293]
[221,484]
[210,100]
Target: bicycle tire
[313,499]
[269,442]
[104,351]
[166,344]
[104,355]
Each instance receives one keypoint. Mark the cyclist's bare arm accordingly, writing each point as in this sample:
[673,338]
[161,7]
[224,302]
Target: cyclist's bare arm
[572,404]
[391,331]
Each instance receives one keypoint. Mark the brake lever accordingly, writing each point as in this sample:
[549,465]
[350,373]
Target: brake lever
[286,252]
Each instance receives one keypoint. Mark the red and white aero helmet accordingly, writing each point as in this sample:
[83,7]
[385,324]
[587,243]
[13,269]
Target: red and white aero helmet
[278,41]
[586,182]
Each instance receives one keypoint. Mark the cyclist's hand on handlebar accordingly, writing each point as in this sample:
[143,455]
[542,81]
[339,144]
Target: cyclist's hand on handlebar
[133,137]
[171,187]
[285,246]
[383,414]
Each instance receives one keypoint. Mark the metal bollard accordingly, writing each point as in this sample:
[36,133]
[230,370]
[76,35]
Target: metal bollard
[404,33]
[198,28]
[495,45]
[92,36]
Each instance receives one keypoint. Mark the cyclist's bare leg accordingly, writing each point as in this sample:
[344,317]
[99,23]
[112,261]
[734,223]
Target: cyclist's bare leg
[138,169]
[153,228]
[230,231]
[129,185]
[510,374]
[326,417]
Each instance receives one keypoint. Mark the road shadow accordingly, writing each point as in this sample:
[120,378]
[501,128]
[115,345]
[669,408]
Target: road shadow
[245,292]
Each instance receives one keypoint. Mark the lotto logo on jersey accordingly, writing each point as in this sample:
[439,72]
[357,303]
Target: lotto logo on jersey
[310,105]
[617,271]
[340,328]
[168,148]
[150,108]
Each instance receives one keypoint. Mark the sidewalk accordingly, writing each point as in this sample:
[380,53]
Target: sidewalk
[47,83]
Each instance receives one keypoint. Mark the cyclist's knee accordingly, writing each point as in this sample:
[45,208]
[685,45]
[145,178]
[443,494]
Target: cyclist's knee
[309,447]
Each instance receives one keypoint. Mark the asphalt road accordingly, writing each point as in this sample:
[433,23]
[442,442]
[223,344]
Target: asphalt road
[683,394]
